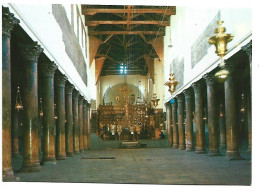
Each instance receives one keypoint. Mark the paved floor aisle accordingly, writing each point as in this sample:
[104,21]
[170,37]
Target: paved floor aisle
[145,165]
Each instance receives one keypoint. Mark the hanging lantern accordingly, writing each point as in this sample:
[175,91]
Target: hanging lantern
[41,112]
[220,40]
[55,112]
[172,83]
[205,115]
[18,101]
[155,100]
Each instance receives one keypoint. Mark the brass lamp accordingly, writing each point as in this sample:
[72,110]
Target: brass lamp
[220,40]
[172,83]
[155,100]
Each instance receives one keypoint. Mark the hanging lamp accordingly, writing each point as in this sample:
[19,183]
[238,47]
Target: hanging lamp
[18,101]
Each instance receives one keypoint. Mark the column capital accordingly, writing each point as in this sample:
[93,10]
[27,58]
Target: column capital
[174,103]
[31,52]
[75,94]
[197,86]
[209,78]
[69,88]
[60,79]
[167,104]
[8,21]
[85,102]
[180,98]
[187,93]
[230,66]
[81,98]
[248,48]
[88,105]
[48,68]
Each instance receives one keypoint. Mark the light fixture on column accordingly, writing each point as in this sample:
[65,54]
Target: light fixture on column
[18,101]
[221,110]
[55,112]
[172,83]
[220,40]
[205,115]
[41,111]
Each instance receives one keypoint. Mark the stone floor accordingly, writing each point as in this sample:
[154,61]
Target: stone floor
[144,166]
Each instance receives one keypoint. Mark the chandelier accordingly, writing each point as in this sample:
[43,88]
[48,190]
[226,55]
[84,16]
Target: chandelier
[172,83]
[220,40]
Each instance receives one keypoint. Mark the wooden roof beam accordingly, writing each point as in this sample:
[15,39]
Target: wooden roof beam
[93,11]
[93,33]
[95,23]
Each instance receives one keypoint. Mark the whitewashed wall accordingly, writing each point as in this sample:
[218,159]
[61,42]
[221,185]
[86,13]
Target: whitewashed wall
[39,23]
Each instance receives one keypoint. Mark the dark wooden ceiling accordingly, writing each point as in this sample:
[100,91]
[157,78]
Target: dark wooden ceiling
[125,34]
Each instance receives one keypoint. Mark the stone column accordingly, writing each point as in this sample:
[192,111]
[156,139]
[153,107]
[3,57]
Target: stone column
[174,125]
[31,52]
[248,49]
[75,110]
[222,128]
[60,80]
[80,114]
[181,129]
[88,122]
[48,68]
[200,128]
[85,127]
[188,121]
[232,128]
[8,22]
[212,115]
[69,119]
[14,130]
[168,124]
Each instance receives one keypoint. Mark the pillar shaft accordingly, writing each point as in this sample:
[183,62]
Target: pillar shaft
[85,127]
[232,129]
[76,122]
[248,49]
[181,129]
[69,119]
[188,121]
[31,151]
[88,123]
[60,80]
[81,136]
[174,125]
[15,128]
[200,128]
[8,21]
[48,68]
[212,115]
[222,129]
[168,124]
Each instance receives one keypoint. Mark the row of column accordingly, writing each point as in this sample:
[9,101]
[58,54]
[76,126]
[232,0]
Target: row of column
[72,124]
[228,127]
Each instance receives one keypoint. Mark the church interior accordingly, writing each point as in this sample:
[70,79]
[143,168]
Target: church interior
[139,94]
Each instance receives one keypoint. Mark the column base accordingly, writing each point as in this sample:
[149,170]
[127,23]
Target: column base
[233,155]
[223,146]
[200,150]
[175,146]
[76,152]
[31,167]
[81,150]
[213,153]
[70,154]
[189,149]
[86,149]
[49,161]
[62,157]
[182,147]
[9,177]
